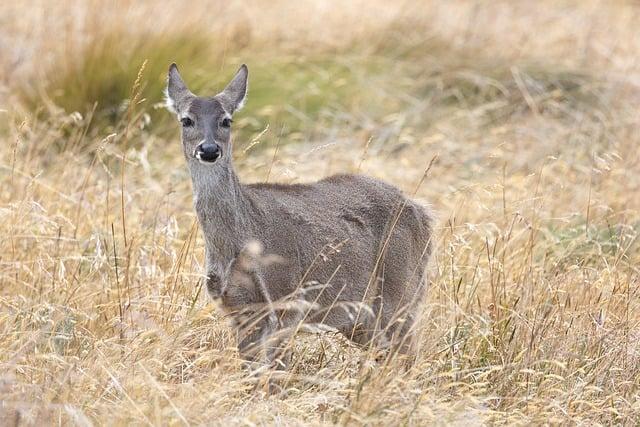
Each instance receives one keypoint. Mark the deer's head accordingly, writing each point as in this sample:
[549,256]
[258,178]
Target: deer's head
[206,121]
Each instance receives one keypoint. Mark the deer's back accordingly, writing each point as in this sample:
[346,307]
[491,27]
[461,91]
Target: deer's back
[340,205]
[334,229]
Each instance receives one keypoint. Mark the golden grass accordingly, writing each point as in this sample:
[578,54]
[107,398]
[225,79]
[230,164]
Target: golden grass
[533,312]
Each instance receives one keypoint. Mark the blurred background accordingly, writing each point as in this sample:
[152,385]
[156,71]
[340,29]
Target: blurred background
[530,110]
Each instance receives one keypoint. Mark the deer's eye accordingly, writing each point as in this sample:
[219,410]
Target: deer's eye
[226,123]
[186,122]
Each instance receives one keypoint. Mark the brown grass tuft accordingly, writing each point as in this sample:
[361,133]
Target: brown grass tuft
[532,315]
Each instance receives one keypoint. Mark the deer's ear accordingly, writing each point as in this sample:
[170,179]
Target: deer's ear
[234,95]
[177,94]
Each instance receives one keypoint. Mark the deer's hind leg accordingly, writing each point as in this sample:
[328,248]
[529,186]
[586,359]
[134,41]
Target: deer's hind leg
[401,294]
[402,315]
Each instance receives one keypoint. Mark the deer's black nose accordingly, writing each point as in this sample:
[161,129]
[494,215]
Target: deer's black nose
[208,152]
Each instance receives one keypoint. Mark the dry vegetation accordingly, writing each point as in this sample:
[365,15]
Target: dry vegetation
[533,314]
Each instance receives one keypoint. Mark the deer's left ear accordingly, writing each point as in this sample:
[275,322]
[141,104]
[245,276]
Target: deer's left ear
[177,94]
[234,95]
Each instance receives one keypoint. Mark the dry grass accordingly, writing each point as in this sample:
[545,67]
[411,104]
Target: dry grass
[533,312]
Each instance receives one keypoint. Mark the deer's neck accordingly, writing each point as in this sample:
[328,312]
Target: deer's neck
[224,211]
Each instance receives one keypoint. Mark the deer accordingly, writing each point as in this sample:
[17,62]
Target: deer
[348,252]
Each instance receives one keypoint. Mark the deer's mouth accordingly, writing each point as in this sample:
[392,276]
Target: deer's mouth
[206,159]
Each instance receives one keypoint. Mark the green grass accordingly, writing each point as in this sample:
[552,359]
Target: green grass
[587,244]
[292,95]
[305,97]
[105,72]
[290,90]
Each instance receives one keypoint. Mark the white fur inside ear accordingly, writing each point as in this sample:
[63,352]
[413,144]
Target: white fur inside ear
[242,101]
[169,103]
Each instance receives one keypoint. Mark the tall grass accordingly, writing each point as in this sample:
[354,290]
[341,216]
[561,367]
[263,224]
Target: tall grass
[532,314]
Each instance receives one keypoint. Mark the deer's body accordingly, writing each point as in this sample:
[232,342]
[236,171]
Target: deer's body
[341,243]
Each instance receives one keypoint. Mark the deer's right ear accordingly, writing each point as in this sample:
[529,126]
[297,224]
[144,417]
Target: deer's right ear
[177,95]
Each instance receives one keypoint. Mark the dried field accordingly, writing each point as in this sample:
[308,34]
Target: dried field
[531,109]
